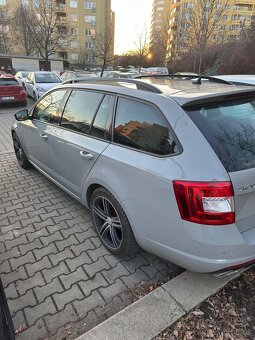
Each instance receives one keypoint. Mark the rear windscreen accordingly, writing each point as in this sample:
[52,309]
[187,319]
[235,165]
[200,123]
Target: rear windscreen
[229,127]
[8,81]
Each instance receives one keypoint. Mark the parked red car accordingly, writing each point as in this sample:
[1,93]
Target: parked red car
[11,91]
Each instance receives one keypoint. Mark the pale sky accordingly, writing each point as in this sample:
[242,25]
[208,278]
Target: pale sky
[130,18]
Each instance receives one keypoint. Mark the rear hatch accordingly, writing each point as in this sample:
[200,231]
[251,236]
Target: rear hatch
[9,86]
[229,127]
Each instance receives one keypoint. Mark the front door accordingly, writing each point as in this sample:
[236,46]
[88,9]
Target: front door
[80,139]
[34,131]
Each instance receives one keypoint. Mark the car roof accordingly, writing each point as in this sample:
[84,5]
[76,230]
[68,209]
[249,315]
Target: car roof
[184,91]
[238,78]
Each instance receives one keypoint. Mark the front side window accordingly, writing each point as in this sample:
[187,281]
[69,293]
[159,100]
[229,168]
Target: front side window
[80,110]
[48,109]
[142,127]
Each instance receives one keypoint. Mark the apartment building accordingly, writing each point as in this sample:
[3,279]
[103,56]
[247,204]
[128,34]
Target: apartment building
[81,20]
[236,14]
[159,29]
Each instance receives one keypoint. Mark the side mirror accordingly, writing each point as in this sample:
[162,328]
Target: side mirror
[21,115]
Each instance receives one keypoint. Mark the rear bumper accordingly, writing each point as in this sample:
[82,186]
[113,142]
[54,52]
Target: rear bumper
[13,98]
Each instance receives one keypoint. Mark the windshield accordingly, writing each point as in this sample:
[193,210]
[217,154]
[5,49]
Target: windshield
[229,127]
[8,81]
[47,78]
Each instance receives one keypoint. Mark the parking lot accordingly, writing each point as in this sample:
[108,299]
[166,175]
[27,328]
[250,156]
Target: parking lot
[59,280]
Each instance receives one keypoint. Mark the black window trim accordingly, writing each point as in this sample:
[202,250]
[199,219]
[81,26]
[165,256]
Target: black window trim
[109,118]
[178,144]
[60,110]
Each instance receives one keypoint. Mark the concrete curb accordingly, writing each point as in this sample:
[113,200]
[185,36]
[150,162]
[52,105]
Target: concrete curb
[158,310]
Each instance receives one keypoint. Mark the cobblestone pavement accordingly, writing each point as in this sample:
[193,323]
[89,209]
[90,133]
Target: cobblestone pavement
[59,280]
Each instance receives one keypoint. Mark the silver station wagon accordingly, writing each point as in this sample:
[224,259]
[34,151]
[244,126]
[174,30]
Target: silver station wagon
[165,163]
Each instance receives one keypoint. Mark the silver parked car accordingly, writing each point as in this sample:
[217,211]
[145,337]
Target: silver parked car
[168,164]
[37,83]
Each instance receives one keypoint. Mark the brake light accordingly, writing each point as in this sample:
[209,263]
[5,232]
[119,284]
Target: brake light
[205,202]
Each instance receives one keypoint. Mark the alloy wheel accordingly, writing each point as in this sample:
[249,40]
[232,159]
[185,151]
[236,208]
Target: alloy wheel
[107,222]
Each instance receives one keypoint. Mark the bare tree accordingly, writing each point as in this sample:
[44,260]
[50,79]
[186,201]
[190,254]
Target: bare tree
[5,38]
[103,46]
[21,30]
[203,20]
[142,48]
[49,30]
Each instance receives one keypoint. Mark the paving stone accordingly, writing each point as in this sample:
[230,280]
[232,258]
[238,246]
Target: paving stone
[110,291]
[61,299]
[11,292]
[24,285]
[10,254]
[53,237]
[91,302]
[28,258]
[68,242]
[47,290]
[76,276]
[60,256]
[42,232]
[136,262]
[81,247]
[134,279]
[13,276]
[112,274]
[21,302]
[66,316]
[32,268]
[35,313]
[78,261]
[94,283]
[95,254]
[18,319]
[5,267]
[38,328]
[50,274]
[36,244]
[50,249]
[92,269]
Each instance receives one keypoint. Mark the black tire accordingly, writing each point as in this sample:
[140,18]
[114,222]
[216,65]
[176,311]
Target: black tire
[19,152]
[23,103]
[111,223]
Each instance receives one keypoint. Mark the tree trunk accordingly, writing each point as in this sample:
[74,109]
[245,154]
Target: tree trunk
[103,67]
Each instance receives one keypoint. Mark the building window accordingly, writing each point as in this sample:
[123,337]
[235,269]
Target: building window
[74,31]
[3,2]
[90,19]
[73,3]
[74,44]
[89,57]
[74,56]
[90,31]
[73,17]
[89,44]
[89,5]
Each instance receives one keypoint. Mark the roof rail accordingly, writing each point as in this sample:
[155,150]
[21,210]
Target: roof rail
[197,81]
[140,85]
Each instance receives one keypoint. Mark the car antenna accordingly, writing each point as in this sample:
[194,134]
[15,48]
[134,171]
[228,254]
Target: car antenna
[198,80]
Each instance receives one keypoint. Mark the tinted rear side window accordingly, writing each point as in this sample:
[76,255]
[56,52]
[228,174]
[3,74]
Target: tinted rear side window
[142,127]
[229,127]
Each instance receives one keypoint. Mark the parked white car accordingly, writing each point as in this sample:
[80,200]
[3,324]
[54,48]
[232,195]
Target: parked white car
[21,77]
[37,83]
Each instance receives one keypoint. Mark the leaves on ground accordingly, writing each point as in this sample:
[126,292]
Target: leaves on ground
[228,315]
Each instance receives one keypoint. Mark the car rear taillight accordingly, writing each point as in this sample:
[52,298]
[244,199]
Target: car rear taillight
[205,202]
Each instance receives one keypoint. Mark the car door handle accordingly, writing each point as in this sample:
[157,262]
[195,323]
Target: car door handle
[87,155]
[44,136]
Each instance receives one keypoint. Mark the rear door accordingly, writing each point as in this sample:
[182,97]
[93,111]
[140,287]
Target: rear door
[229,127]
[81,137]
